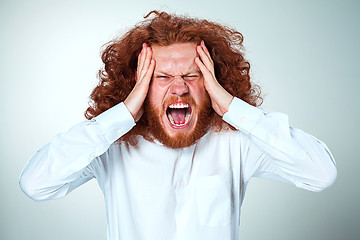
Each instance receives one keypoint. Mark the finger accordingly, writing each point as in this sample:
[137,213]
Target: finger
[146,63]
[206,50]
[205,59]
[139,63]
[145,81]
[140,54]
[149,72]
[204,70]
[142,58]
[147,59]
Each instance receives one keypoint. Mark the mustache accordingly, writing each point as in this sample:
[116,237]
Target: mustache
[153,126]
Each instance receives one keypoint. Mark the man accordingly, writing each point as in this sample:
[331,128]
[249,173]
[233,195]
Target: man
[173,136]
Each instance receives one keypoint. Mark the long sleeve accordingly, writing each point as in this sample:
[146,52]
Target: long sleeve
[64,163]
[279,152]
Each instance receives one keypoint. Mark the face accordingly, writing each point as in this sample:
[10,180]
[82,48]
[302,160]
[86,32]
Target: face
[177,100]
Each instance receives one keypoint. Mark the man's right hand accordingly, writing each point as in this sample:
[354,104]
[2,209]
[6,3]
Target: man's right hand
[145,69]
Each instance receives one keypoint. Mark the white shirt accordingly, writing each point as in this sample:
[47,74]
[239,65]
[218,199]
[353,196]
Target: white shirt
[157,193]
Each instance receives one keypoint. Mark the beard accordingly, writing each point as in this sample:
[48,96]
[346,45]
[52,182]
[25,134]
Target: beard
[184,138]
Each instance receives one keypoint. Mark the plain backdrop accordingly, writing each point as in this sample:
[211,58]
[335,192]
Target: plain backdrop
[304,54]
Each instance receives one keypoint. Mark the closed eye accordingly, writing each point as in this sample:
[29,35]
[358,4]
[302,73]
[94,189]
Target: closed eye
[162,77]
[191,77]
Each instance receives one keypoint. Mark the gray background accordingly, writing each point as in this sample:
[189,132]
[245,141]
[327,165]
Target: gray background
[305,55]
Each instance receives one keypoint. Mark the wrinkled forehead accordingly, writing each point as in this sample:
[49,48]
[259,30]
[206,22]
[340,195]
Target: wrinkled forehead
[175,59]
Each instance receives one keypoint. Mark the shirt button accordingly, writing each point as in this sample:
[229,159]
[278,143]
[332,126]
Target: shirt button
[92,155]
[182,223]
[182,183]
[242,119]
[273,141]
[119,131]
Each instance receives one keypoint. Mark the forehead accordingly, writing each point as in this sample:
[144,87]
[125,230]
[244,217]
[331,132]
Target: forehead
[175,59]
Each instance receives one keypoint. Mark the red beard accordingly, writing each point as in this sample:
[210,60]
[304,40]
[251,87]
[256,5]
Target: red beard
[184,138]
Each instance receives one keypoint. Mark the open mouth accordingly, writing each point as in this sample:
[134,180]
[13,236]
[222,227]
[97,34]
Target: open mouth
[179,114]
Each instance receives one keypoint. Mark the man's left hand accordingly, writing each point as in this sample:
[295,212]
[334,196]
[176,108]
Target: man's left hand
[220,98]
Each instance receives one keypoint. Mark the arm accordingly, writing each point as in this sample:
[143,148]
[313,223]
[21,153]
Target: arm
[64,163]
[276,150]
[280,152]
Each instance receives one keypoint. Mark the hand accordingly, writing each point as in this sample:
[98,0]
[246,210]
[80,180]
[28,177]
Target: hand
[220,98]
[145,69]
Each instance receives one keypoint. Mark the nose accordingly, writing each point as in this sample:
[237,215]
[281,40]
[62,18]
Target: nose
[179,86]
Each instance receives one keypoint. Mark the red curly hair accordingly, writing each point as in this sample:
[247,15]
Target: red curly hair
[117,78]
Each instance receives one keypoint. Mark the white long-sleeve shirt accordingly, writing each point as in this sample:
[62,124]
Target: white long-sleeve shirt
[155,192]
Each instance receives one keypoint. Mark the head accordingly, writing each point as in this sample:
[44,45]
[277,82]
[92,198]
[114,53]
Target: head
[177,108]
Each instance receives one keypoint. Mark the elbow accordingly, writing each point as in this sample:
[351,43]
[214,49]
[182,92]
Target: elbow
[28,187]
[325,179]
[32,189]
[323,172]
[40,191]
[331,177]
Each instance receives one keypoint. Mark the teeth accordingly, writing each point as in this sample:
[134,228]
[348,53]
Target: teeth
[179,105]
[171,119]
[187,117]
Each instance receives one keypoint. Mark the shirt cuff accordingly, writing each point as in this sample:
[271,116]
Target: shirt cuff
[115,122]
[242,115]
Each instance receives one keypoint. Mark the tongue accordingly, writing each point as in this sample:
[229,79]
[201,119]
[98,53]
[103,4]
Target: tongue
[178,114]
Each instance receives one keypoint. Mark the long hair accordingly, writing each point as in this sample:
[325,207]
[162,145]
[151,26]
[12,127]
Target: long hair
[117,77]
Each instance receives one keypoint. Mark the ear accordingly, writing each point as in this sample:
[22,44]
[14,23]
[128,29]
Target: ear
[136,75]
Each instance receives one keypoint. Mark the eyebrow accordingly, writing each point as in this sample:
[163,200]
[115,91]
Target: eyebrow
[160,72]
